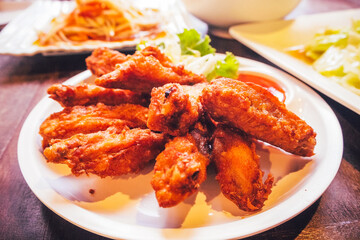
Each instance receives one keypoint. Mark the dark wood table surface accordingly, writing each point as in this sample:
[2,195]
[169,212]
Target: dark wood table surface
[23,82]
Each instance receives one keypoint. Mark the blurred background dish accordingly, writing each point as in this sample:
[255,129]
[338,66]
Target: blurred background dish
[37,18]
[224,13]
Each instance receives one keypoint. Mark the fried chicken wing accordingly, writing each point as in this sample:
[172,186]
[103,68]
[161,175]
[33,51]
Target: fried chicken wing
[106,153]
[174,108]
[258,113]
[90,94]
[146,69]
[88,119]
[161,57]
[179,170]
[103,60]
[238,170]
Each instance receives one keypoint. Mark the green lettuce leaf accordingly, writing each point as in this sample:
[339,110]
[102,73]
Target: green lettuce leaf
[228,67]
[191,43]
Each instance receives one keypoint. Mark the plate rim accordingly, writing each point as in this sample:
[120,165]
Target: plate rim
[227,229]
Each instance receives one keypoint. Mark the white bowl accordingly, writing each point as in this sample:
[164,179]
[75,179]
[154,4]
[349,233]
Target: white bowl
[224,13]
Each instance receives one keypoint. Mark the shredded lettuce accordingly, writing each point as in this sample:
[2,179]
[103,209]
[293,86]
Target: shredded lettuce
[323,41]
[196,54]
[331,63]
[143,44]
[353,80]
[336,55]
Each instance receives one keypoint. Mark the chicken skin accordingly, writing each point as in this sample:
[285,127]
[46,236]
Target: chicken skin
[90,94]
[146,69]
[106,153]
[89,119]
[175,108]
[238,170]
[103,60]
[179,170]
[257,112]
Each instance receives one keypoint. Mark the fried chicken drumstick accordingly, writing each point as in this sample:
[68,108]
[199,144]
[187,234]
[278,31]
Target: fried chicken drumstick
[181,167]
[238,169]
[106,153]
[258,113]
[175,108]
[90,94]
[146,69]
[179,170]
[89,119]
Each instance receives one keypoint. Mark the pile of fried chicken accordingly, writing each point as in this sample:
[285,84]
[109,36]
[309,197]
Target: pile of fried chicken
[143,107]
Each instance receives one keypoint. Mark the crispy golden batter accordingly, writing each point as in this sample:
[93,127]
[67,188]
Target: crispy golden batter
[175,108]
[179,170]
[238,170]
[90,94]
[258,113]
[146,69]
[103,60]
[93,118]
[106,153]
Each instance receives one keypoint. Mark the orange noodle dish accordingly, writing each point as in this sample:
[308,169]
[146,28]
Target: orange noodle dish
[102,20]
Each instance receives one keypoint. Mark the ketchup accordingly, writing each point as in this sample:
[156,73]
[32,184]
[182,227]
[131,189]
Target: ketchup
[264,81]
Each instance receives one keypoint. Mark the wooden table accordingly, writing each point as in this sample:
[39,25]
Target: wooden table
[23,82]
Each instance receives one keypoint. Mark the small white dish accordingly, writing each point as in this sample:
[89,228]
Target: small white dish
[272,39]
[126,207]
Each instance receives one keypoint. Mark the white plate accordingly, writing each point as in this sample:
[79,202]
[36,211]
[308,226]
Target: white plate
[126,207]
[271,39]
[18,37]
[10,9]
